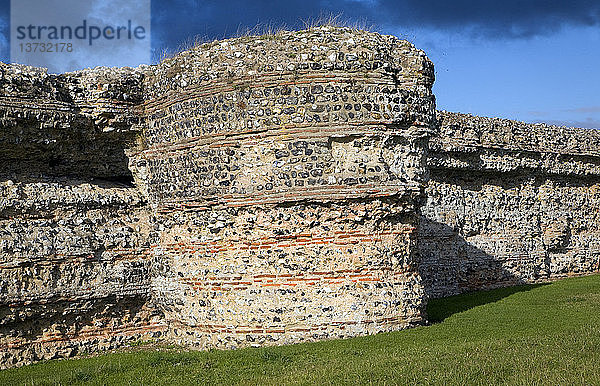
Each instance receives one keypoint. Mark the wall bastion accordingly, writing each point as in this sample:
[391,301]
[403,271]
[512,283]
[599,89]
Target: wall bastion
[285,172]
[269,190]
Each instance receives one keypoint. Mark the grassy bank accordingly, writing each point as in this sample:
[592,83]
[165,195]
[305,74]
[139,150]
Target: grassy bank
[547,334]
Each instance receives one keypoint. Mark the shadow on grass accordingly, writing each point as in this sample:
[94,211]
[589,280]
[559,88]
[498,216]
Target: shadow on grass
[442,308]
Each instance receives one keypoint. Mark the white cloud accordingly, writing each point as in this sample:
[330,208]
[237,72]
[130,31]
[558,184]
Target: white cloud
[100,14]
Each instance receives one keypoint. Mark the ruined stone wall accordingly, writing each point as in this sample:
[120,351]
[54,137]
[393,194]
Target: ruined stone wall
[285,172]
[251,191]
[269,190]
[508,203]
[74,235]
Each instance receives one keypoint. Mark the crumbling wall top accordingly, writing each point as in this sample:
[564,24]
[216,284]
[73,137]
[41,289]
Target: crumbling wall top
[119,84]
[323,48]
[459,131]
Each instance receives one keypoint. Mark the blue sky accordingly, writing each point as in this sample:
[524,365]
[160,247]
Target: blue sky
[527,60]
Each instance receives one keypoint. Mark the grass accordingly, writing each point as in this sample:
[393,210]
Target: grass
[272,31]
[548,334]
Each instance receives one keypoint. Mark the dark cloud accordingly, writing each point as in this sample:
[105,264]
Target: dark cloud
[175,20]
[509,18]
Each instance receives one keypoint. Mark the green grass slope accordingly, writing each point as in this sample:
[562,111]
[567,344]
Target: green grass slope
[546,334]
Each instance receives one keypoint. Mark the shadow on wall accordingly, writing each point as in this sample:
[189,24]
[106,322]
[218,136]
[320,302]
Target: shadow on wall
[483,230]
[450,265]
[50,331]
[79,151]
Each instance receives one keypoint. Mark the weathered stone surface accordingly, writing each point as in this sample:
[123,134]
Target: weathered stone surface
[75,124]
[285,174]
[250,191]
[269,190]
[75,238]
[508,203]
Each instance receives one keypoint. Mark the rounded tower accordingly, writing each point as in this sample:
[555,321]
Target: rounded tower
[284,173]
